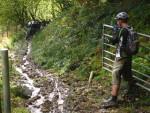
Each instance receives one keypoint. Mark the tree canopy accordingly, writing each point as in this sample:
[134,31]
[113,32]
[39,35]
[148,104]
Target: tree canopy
[21,11]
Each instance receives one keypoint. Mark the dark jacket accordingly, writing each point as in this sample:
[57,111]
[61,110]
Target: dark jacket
[120,36]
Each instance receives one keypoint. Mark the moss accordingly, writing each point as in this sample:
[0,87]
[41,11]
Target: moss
[20,110]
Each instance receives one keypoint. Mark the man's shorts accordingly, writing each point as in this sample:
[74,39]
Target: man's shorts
[122,69]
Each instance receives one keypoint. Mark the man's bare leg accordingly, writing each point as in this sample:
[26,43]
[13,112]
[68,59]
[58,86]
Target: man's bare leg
[112,101]
[115,90]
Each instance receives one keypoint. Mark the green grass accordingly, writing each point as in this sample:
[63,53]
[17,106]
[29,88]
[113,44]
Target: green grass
[20,110]
[65,44]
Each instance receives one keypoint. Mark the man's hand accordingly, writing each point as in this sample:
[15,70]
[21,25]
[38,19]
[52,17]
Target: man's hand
[116,28]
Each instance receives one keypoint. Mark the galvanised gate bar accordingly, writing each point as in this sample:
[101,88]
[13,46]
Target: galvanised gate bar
[140,62]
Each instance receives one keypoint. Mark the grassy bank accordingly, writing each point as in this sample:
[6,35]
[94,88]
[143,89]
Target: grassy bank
[72,42]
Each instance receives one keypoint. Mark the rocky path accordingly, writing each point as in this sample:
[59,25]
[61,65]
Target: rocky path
[45,91]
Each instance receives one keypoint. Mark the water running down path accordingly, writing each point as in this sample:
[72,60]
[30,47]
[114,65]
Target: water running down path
[47,96]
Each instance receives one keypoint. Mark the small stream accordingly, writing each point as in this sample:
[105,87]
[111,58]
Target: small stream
[42,100]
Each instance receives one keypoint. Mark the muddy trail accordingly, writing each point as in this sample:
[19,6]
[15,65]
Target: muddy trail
[49,93]
[45,91]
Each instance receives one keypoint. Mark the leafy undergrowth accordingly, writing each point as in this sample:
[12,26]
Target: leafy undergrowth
[72,42]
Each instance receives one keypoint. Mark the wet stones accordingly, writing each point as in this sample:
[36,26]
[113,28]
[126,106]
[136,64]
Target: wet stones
[47,92]
[47,106]
[31,100]
[46,87]
[26,91]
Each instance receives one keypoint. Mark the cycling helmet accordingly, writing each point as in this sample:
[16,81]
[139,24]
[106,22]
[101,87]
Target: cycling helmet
[122,16]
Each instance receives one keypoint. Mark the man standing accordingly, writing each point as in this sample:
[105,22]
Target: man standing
[123,61]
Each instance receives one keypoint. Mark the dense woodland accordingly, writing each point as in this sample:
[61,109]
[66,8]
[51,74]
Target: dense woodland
[71,43]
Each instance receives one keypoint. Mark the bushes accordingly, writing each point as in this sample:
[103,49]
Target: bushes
[139,19]
[72,41]
[69,40]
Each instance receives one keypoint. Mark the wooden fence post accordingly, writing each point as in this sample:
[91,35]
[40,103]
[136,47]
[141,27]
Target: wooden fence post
[6,85]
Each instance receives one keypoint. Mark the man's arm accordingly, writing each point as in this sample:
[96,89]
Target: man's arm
[115,38]
[124,34]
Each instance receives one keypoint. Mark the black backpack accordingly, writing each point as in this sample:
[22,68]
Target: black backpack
[132,45]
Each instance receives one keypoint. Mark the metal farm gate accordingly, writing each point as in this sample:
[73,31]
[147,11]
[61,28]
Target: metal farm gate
[140,62]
